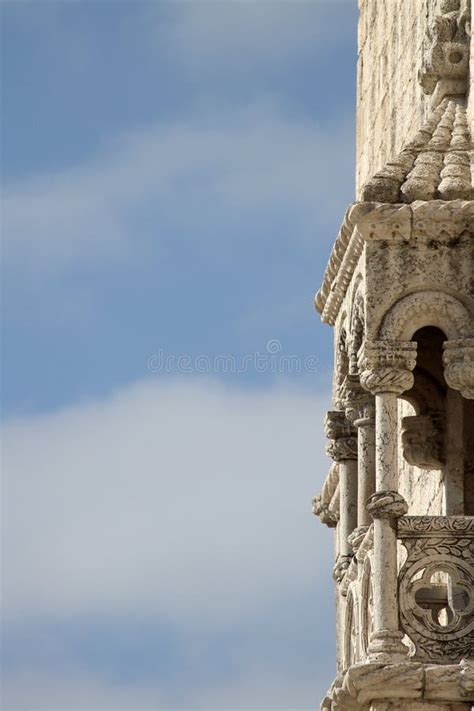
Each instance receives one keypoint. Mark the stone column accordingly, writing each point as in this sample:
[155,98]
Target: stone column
[386,373]
[360,410]
[365,424]
[342,448]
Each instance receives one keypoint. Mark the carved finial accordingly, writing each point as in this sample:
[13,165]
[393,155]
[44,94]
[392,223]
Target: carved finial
[445,67]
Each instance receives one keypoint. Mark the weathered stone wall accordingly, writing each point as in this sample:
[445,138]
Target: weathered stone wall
[471,83]
[391,105]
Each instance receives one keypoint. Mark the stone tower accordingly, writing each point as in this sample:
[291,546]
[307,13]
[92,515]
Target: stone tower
[398,290]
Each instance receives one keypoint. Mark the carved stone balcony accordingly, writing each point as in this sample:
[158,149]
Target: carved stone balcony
[436,586]
[436,605]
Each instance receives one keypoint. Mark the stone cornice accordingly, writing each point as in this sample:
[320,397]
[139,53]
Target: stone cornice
[364,683]
[367,221]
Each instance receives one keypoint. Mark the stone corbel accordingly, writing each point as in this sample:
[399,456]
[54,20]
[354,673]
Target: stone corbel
[458,360]
[422,441]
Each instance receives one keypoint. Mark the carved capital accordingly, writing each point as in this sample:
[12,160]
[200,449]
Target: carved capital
[358,403]
[422,441]
[387,380]
[342,449]
[342,435]
[458,359]
[387,504]
[386,366]
[336,425]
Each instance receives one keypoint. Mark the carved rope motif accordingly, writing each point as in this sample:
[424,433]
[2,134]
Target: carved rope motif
[386,366]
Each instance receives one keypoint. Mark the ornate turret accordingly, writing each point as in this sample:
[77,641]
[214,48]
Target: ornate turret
[398,290]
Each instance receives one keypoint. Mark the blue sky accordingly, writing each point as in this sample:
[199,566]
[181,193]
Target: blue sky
[174,174]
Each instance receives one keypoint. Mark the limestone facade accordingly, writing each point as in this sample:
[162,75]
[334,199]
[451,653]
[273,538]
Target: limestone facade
[398,290]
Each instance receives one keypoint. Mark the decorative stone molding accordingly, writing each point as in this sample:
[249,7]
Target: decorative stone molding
[423,441]
[342,449]
[386,222]
[466,681]
[341,366]
[357,537]
[350,631]
[356,330]
[343,436]
[323,512]
[436,586]
[387,380]
[326,504]
[362,548]
[366,546]
[458,359]
[386,366]
[425,526]
[436,164]
[445,66]
[387,643]
[361,684]
[432,218]
[366,607]
[342,564]
[349,576]
[387,504]
[344,240]
[426,308]
[438,218]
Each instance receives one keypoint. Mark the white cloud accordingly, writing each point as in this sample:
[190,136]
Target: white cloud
[129,500]
[86,692]
[225,38]
[185,174]
[187,501]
